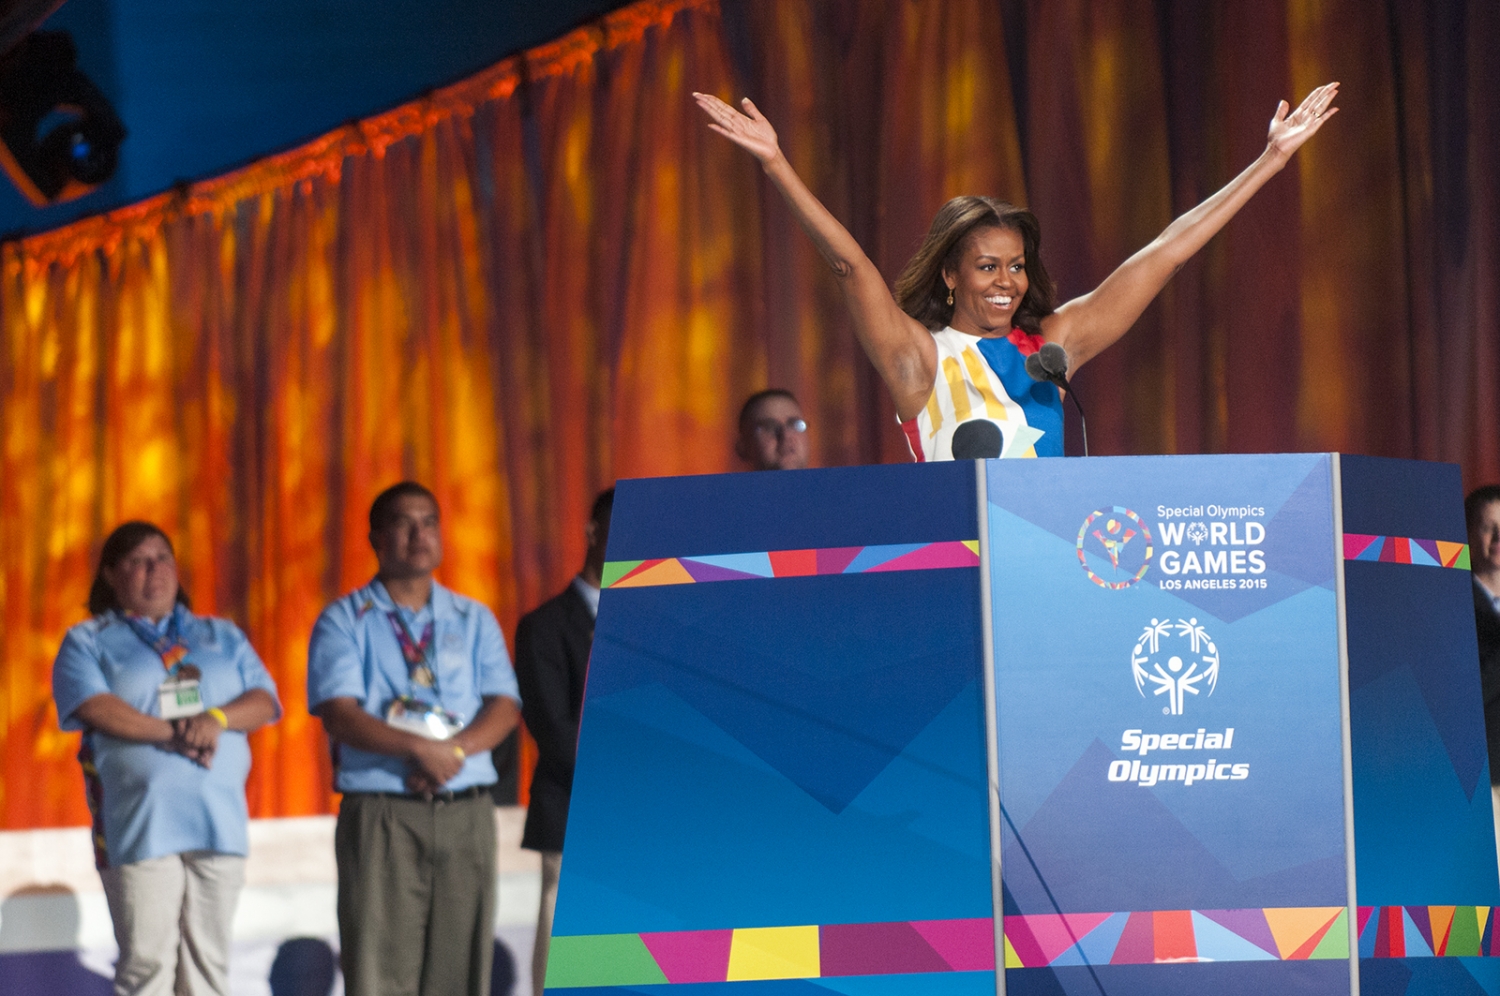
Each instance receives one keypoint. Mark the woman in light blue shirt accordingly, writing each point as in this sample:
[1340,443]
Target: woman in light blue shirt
[164,699]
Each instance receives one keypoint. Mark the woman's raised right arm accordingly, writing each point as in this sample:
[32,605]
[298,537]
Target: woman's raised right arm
[898,345]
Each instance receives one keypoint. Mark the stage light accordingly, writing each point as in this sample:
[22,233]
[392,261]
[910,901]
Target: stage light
[59,136]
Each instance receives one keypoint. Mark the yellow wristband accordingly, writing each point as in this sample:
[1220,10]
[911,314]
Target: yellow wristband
[218,714]
[458,752]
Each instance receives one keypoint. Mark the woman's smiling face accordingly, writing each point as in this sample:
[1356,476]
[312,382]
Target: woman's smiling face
[989,283]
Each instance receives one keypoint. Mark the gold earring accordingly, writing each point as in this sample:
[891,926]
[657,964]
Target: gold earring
[950,297]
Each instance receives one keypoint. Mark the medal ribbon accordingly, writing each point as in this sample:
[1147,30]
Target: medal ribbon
[415,651]
[167,644]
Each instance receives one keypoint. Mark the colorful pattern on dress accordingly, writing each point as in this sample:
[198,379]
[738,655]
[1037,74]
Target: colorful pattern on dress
[1037,941]
[791,563]
[985,379]
[1404,550]
[1041,402]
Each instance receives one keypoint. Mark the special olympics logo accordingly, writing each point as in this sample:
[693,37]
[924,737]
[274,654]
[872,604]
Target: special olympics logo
[1181,658]
[1112,532]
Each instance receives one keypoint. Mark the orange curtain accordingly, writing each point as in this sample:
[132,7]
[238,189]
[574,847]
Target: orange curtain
[551,275]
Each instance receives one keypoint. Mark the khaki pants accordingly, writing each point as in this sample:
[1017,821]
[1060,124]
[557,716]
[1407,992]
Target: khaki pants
[416,895]
[172,918]
[551,871]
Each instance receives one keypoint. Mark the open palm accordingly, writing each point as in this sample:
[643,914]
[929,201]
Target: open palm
[1289,131]
[750,131]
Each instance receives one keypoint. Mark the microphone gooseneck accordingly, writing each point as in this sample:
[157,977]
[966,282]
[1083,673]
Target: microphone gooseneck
[1083,423]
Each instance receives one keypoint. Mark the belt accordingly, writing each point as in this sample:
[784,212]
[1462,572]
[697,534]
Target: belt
[446,795]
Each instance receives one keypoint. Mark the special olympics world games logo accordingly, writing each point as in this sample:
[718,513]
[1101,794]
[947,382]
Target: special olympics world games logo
[1119,535]
[1181,658]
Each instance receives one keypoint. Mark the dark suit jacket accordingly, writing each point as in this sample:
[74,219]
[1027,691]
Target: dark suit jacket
[552,660]
[1487,624]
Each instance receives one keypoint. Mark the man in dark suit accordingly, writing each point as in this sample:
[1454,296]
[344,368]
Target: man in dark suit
[552,660]
[1482,510]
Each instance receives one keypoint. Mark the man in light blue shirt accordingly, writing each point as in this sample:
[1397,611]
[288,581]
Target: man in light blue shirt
[414,687]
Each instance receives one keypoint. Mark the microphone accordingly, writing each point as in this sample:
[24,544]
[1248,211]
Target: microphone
[1054,359]
[1049,365]
[977,439]
[1035,370]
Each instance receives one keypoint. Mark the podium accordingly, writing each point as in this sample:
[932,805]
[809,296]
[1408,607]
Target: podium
[1117,725]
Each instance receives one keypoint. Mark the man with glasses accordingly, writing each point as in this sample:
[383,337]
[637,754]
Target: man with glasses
[773,434]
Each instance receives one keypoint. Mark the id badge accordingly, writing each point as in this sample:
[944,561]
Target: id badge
[179,699]
[423,719]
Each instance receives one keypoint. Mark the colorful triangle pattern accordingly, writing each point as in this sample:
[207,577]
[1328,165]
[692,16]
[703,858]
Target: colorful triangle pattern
[1405,550]
[791,563]
[1030,941]
[1425,932]
[1171,936]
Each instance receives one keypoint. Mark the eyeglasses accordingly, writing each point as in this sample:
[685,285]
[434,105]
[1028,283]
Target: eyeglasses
[772,427]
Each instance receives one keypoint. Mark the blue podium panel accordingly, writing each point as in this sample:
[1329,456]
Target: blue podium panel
[1170,741]
[1236,739]
[1423,826]
[781,772]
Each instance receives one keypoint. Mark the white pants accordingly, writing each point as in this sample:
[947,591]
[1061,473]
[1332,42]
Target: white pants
[172,919]
[551,869]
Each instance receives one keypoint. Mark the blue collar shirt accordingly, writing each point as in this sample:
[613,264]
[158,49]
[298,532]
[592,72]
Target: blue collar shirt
[354,654]
[155,802]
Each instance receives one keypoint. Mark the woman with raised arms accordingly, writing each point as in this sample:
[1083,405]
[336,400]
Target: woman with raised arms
[975,300]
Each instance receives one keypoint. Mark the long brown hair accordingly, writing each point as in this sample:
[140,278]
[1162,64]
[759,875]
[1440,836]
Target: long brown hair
[121,544]
[920,290]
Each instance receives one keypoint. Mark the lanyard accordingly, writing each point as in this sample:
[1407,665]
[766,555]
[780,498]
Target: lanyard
[417,652]
[168,644]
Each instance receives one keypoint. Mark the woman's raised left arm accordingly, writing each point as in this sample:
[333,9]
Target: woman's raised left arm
[1087,325]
